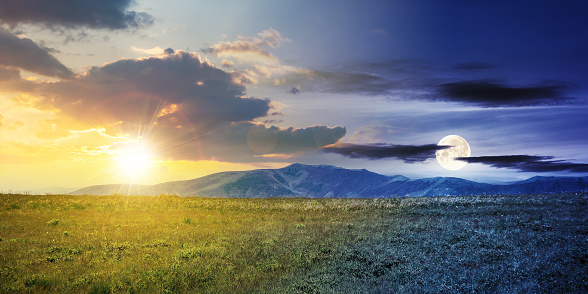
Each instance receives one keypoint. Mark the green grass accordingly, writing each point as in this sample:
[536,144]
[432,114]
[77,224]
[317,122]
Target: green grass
[167,244]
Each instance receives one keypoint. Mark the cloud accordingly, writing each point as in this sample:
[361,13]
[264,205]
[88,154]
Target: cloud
[294,90]
[528,163]
[9,74]
[372,133]
[2,120]
[352,83]
[154,51]
[491,94]
[406,153]
[256,63]
[104,14]
[250,48]
[136,90]
[13,126]
[392,77]
[416,80]
[247,142]
[151,51]
[180,106]
[23,53]
[227,63]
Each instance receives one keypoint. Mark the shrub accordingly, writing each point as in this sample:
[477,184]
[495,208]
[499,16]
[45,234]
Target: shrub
[13,206]
[53,222]
[187,220]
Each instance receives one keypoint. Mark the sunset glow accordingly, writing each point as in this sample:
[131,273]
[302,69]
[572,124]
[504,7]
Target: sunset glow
[135,163]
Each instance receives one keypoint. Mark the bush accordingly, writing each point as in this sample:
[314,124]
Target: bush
[53,222]
[13,206]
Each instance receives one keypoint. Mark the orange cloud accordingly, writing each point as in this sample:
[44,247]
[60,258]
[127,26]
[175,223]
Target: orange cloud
[250,48]
[182,107]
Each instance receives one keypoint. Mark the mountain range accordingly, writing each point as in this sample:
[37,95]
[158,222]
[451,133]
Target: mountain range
[318,181]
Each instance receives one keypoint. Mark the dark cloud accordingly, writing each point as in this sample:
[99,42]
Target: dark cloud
[247,142]
[103,14]
[272,121]
[169,51]
[415,80]
[182,107]
[528,163]
[9,74]
[179,89]
[406,153]
[294,90]
[25,54]
[491,94]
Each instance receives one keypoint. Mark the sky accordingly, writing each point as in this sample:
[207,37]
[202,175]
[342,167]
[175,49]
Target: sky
[145,91]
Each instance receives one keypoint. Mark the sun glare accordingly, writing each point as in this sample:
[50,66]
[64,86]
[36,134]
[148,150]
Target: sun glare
[135,163]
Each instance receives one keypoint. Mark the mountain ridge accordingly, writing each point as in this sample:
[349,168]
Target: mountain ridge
[318,181]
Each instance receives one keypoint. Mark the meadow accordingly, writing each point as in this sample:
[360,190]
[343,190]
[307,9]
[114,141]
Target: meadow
[169,244]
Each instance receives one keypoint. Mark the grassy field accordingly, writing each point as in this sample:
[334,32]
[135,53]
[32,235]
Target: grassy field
[167,244]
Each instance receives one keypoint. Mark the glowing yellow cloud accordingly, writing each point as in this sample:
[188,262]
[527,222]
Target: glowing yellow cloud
[152,51]
[168,110]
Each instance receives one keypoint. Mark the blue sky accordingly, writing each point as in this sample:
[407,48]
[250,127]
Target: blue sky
[250,84]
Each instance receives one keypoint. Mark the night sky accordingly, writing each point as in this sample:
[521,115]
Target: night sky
[100,92]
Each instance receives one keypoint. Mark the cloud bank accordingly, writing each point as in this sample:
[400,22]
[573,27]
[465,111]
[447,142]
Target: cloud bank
[528,163]
[416,80]
[183,107]
[249,142]
[135,89]
[490,94]
[406,153]
[23,53]
[103,14]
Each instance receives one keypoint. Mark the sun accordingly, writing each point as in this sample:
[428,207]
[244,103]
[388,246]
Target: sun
[134,163]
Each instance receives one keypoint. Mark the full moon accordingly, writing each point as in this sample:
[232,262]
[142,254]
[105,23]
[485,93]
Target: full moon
[446,157]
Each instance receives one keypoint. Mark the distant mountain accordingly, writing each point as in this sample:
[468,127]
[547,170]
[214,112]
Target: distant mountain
[51,190]
[328,181]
